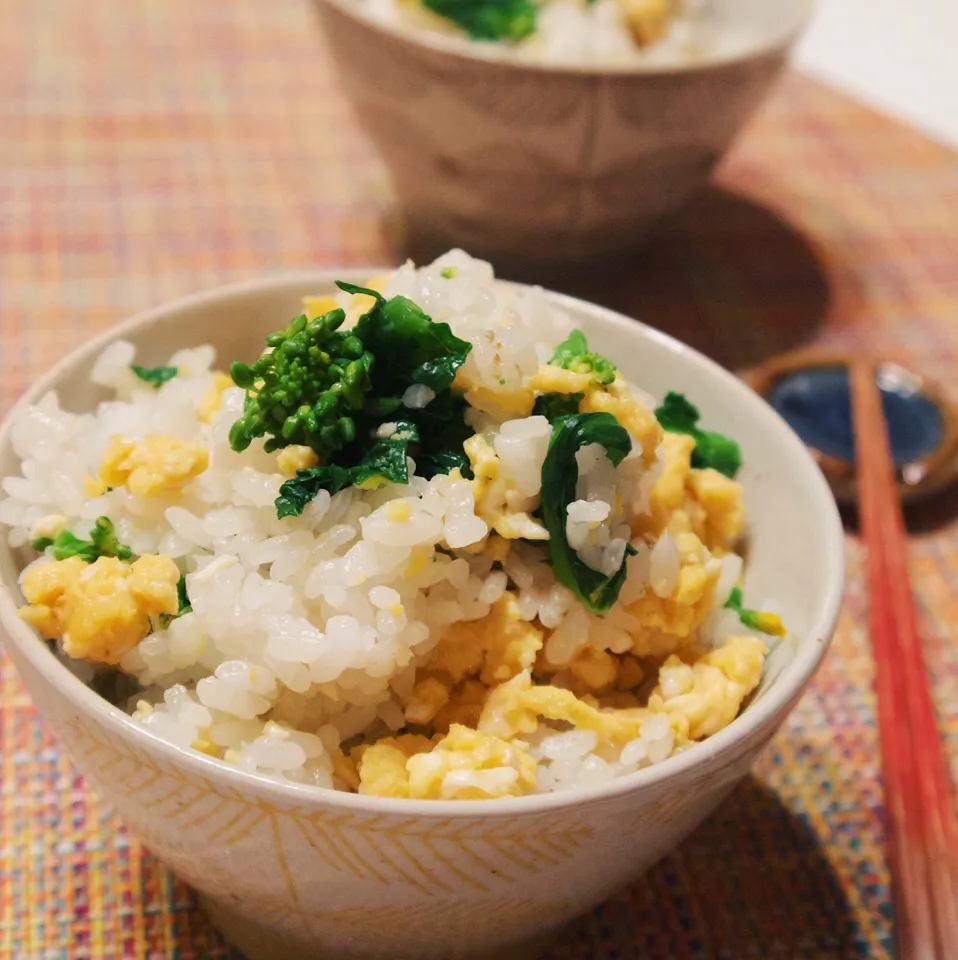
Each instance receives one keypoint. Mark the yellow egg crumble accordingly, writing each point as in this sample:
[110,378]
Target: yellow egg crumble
[153,466]
[100,611]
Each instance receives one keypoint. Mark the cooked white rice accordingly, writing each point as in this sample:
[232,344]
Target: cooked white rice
[311,632]
[597,32]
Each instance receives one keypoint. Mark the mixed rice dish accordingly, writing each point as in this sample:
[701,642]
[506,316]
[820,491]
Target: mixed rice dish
[599,32]
[428,545]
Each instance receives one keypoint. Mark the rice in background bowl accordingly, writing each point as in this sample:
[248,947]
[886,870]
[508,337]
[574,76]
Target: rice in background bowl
[584,33]
[193,810]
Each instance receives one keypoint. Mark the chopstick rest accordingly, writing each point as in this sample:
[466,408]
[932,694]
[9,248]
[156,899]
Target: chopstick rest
[812,392]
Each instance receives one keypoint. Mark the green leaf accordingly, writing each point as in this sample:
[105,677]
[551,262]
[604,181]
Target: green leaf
[489,19]
[377,407]
[184,604]
[410,347]
[439,373]
[67,544]
[555,405]
[103,542]
[295,494]
[155,376]
[712,450]
[560,472]
[574,354]
[573,346]
[384,462]
[769,623]
[365,291]
[442,433]
[399,429]
[332,390]
[41,543]
[443,461]
[183,597]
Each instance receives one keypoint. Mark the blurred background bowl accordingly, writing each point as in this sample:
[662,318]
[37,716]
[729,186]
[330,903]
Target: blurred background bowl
[533,163]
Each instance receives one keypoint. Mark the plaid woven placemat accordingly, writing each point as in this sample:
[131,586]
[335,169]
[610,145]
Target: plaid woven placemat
[151,148]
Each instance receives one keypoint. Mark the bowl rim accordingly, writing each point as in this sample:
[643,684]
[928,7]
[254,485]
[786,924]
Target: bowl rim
[457,48]
[708,754]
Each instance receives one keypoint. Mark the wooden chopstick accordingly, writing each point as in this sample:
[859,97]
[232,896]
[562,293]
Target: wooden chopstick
[921,821]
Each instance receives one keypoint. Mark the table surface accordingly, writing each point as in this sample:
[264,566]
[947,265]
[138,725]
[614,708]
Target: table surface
[153,149]
[897,56]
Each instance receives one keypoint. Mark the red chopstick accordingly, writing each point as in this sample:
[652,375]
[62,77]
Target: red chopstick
[921,820]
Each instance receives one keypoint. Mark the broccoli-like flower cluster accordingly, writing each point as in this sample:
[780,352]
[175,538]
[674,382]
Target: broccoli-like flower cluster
[306,388]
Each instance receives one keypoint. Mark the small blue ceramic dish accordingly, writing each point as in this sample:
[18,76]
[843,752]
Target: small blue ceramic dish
[810,390]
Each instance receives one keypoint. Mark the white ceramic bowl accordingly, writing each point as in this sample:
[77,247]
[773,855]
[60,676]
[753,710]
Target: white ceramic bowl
[290,871]
[538,163]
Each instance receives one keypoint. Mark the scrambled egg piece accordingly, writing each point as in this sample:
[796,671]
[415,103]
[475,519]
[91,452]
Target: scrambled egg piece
[295,457]
[514,708]
[464,706]
[381,767]
[152,466]
[382,772]
[316,306]
[701,501]
[703,511]
[631,674]
[428,697]
[101,610]
[703,697]
[502,404]
[719,518]
[768,623]
[615,398]
[495,648]
[376,283]
[467,764]
[211,401]
[359,303]
[596,670]
[552,379]
[497,501]
[49,527]
[668,491]
[687,606]
[344,767]
[647,20]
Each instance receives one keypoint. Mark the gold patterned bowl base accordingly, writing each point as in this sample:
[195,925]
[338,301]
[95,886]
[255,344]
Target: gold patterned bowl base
[258,943]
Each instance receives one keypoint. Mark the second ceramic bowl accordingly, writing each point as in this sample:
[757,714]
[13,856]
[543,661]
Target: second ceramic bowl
[522,162]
